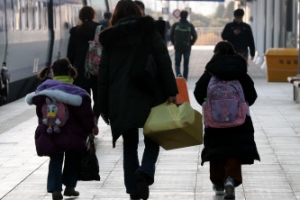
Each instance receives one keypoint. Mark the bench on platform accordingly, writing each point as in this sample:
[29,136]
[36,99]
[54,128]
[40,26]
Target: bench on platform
[295,80]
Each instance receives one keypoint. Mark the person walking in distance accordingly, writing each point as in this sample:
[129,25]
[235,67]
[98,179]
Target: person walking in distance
[183,35]
[227,148]
[123,103]
[65,143]
[239,34]
[105,22]
[78,45]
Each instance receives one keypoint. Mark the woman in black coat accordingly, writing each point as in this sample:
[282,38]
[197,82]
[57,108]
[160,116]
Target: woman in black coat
[228,148]
[126,104]
[78,46]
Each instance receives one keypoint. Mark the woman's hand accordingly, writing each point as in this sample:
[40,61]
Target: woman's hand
[171,99]
[95,130]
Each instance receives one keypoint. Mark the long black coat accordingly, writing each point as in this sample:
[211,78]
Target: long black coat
[128,106]
[236,142]
[77,49]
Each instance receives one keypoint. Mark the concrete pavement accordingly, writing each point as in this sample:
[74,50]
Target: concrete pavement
[179,174]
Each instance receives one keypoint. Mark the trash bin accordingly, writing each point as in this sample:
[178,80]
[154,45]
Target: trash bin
[281,63]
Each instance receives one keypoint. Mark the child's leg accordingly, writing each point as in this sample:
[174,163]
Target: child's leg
[217,172]
[233,169]
[54,181]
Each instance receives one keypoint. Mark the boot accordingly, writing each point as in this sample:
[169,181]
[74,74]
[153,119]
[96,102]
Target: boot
[69,191]
[143,188]
[56,195]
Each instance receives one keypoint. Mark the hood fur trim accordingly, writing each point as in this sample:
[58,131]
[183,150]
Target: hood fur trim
[70,99]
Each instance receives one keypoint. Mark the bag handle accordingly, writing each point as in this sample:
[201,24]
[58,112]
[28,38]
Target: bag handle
[97,32]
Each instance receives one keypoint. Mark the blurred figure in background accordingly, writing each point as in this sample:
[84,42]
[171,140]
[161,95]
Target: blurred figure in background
[163,28]
[78,46]
[183,35]
[105,22]
[239,34]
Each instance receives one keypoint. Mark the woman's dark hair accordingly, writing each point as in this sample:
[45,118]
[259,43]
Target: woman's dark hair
[224,48]
[60,67]
[87,13]
[140,4]
[123,9]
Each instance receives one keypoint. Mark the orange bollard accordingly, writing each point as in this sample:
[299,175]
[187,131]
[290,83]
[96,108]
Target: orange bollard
[183,95]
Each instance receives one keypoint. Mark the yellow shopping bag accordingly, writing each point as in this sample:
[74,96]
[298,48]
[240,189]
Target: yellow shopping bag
[173,126]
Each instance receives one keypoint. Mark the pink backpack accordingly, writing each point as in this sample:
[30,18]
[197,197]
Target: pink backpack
[55,115]
[225,105]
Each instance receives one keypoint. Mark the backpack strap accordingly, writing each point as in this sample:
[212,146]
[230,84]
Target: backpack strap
[97,32]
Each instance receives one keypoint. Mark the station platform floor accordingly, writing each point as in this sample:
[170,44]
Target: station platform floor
[179,175]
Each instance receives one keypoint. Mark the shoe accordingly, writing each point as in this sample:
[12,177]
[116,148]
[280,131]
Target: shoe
[56,195]
[134,197]
[229,189]
[143,188]
[69,191]
[218,190]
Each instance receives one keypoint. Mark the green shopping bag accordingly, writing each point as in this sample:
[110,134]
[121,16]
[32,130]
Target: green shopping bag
[173,126]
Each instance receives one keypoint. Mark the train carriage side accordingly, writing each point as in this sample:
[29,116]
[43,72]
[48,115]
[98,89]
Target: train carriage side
[35,33]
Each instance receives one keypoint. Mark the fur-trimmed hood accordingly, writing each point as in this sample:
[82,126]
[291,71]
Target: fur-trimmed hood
[124,28]
[63,92]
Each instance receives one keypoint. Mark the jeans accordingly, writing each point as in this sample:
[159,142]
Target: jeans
[69,175]
[131,160]
[186,58]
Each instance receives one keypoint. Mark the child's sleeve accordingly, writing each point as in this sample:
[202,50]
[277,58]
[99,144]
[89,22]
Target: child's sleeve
[201,87]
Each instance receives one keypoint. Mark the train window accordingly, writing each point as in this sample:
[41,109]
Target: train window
[17,14]
[75,14]
[30,16]
[44,15]
[23,8]
[37,16]
[2,16]
[10,15]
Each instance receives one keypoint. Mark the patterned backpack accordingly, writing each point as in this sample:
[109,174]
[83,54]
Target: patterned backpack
[225,105]
[93,55]
[55,115]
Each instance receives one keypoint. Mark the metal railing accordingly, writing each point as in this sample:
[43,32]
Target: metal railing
[208,35]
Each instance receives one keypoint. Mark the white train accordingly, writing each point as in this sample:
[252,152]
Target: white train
[34,33]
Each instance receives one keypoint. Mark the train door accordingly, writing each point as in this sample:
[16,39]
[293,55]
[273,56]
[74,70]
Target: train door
[2,31]
[4,73]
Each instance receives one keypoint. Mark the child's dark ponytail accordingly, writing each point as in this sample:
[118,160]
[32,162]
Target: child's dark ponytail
[63,67]
[73,72]
[43,73]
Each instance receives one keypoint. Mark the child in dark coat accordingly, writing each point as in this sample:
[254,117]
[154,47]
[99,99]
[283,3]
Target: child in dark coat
[70,139]
[228,148]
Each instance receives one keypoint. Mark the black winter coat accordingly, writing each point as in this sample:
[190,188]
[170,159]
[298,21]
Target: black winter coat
[236,142]
[126,105]
[77,49]
[242,41]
